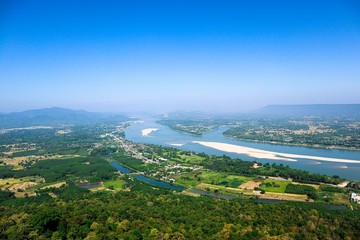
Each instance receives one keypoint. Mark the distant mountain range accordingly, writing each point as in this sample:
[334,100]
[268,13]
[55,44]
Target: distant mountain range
[310,110]
[320,110]
[56,116]
[62,116]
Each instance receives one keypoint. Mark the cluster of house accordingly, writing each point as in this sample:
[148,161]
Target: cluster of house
[354,197]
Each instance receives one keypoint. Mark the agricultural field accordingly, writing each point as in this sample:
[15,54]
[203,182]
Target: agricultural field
[286,197]
[299,189]
[252,184]
[270,185]
[316,186]
[116,185]
[54,185]
[192,159]
[210,177]
[21,187]
[236,192]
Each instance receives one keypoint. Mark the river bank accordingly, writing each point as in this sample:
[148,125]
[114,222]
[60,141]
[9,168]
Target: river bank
[167,137]
[257,153]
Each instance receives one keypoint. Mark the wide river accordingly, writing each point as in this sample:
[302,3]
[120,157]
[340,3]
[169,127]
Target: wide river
[168,137]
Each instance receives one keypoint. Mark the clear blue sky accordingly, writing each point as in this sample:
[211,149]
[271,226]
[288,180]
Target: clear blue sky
[171,55]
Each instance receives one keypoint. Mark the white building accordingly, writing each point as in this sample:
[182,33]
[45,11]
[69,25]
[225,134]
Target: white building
[354,197]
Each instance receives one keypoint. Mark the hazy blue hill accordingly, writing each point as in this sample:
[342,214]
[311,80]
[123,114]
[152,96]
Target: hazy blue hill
[56,116]
[321,110]
[186,115]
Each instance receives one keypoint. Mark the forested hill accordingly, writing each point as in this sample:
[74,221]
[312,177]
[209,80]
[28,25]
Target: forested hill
[317,110]
[56,116]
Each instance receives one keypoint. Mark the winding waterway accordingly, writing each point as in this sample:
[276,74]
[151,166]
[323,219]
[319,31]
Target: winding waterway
[148,180]
[168,137]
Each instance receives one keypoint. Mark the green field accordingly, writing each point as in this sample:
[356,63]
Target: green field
[193,159]
[117,185]
[299,189]
[270,185]
[210,177]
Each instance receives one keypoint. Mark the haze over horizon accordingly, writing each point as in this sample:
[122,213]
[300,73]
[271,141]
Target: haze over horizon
[179,55]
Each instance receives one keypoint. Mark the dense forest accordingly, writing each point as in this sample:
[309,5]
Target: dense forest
[147,213]
[93,169]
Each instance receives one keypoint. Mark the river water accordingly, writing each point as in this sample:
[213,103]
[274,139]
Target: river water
[148,180]
[167,137]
